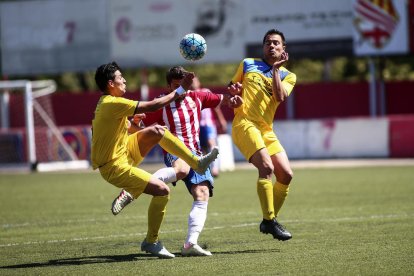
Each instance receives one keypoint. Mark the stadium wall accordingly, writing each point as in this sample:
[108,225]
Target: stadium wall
[310,101]
[359,137]
[331,121]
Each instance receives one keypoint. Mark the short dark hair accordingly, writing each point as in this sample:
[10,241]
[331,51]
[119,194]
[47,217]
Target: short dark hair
[274,31]
[175,73]
[105,73]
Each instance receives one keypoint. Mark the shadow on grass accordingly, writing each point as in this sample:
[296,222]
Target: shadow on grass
[118,259]
[85,260]
[248,251]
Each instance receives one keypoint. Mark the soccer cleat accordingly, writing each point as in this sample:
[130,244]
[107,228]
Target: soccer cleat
[206,160]
[121,201]
[273,227]
[194,250]
[156,249]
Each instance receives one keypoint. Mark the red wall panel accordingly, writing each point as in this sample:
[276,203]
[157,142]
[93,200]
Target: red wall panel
[327,100]
[400,97]
[401,135]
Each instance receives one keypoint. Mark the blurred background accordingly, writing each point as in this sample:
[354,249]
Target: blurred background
[354,61]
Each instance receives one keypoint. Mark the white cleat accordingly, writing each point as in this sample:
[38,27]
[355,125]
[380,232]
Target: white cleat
[194,250]
[121,201]
[156,249]
[206,160]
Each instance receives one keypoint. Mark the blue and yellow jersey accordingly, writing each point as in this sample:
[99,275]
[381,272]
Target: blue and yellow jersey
[110,129]
[259,102]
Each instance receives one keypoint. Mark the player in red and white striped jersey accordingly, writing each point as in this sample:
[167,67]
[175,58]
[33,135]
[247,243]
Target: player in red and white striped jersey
[182,117]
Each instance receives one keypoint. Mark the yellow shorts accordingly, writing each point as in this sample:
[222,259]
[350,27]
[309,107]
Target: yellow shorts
[249,137]
[123,172]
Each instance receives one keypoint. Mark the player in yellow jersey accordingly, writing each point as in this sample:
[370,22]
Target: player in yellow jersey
[117,154]
[264,84]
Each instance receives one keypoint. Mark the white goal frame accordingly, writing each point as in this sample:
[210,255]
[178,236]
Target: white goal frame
[33,90]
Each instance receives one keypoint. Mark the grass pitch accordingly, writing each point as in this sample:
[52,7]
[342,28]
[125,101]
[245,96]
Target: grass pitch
[349,221]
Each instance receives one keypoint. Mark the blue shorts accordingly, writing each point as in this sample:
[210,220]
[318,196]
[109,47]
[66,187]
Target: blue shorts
[207,133]
[192,178]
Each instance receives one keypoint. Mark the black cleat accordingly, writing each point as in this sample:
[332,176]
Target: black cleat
[273,227]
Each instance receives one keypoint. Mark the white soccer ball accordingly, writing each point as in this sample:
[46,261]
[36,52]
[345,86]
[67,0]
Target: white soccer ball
[193,46]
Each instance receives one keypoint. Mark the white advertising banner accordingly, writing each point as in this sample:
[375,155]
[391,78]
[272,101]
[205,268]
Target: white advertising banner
[380,27]
[148,32]
[299,20]
[53,36]
[348,138]
[292,136]
[343,138]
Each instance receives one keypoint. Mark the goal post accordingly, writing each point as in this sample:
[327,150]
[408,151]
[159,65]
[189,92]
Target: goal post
[36,127]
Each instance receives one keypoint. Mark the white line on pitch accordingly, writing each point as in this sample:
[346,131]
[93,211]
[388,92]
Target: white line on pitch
[373,217]
[109,218]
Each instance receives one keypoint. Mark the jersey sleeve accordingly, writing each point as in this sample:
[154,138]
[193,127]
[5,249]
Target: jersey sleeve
[238,77]
[289,82]
[208,99]
[120,107]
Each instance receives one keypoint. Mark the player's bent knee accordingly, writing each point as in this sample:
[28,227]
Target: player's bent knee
[266,169]
[163,190]
[182,171]
[201,192]
[156,130]
[157,189]
[159,130]
[286,177]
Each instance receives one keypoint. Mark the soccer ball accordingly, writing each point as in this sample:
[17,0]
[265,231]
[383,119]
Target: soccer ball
[193,46]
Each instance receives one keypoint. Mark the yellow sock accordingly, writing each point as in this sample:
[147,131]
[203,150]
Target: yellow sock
[280,192]
[156,212]
[265,192]
[176,147]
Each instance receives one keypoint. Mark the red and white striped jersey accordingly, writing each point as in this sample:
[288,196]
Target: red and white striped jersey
[182,117]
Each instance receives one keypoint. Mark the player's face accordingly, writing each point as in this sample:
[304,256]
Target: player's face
[175,83]
[273,47]
[118,85]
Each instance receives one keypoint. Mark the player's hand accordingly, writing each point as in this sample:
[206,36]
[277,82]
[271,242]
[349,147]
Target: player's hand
[283,58]
[235,88]
[235,101]
[137,119]
[187,81]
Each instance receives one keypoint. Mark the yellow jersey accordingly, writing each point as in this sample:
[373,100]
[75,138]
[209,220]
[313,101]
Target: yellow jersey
[259,104]
[110,129]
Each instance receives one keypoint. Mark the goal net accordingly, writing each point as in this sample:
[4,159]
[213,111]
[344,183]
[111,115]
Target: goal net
[29,137]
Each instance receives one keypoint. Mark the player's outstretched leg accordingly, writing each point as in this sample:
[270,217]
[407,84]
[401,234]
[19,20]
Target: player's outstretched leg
[176,147]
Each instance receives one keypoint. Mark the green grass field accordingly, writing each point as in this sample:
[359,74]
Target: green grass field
[344,221]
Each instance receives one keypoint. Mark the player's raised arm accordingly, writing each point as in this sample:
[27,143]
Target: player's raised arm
[157,103]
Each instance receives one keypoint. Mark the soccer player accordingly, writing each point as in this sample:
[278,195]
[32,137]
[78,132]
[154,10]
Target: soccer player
[182,117]
[116,154]
[212,121]
[264,84]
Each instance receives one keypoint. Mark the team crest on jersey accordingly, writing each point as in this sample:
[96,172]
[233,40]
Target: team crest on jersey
[375,21]
[264,84]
